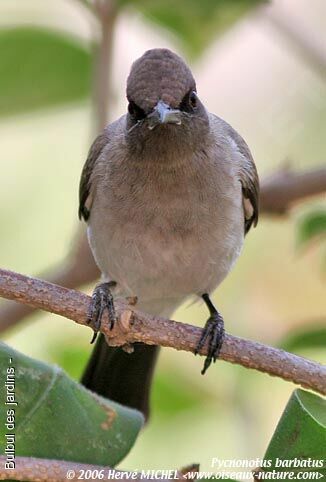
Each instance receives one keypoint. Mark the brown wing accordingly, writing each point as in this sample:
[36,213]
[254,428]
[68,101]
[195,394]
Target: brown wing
[249,181]
[250,191]
[85,182]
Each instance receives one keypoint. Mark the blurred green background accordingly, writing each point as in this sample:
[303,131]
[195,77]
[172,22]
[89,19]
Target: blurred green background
[249,74]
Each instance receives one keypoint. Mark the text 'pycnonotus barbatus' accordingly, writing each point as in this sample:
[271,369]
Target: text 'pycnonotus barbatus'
[168,192]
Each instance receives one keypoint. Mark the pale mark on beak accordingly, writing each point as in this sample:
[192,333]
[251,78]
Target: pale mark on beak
[163,114]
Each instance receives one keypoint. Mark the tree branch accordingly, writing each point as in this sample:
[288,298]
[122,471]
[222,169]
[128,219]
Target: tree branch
[32,469]
[134,326]
[282,189]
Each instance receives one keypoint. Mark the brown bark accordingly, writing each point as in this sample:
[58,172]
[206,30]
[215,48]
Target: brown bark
[282,189]
[134,326]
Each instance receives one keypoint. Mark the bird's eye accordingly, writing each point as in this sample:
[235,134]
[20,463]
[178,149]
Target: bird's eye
[193,99]
[135,111]
[189,102]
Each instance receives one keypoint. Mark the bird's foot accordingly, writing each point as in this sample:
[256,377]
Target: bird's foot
[102,299]
[214,333]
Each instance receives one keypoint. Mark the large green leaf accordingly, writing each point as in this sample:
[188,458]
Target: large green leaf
[41,68]
[57,418]
[299,441]
[195,23]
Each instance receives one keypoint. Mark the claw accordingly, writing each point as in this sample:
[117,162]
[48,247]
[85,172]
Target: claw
[102,299]
[214,333]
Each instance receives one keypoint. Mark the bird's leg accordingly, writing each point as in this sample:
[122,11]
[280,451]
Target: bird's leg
[102,299]
[213,332]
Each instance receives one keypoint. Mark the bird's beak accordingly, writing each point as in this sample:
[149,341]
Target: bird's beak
[163,114]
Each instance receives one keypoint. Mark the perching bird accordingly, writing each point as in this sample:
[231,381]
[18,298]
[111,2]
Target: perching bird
[168,192]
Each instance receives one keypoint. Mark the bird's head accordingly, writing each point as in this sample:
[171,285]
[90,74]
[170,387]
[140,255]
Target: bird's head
[163,101]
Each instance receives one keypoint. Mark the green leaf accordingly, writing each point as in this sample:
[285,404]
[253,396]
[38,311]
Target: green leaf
[300,436]
[313,225]
[57,418]
[312,336]
[41,68]
[195,23]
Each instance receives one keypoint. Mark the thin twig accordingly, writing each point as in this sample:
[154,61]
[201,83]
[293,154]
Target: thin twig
[106,12]
[134,326]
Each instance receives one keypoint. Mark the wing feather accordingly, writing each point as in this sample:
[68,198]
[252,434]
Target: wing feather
[249,181]
[85,180]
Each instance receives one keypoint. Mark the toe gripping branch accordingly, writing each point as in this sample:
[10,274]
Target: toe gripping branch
[213,332]
[102,299]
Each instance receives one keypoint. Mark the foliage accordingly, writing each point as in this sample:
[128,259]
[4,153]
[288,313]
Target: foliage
[57,418]
[300,434]
[195,23]
[40,68]
[312,336]
[311,227]
[299,441]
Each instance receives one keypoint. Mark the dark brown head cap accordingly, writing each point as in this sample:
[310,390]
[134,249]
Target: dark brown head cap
[159,75]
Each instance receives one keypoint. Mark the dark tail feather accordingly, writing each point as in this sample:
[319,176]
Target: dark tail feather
[122,377]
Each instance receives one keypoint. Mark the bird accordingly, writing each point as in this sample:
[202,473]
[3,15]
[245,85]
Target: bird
[168,192]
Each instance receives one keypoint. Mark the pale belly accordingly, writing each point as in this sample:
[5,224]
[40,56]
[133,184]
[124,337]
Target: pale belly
[159,261]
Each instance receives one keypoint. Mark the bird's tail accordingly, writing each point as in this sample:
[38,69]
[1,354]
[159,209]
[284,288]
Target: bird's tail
[126,377]
[123,377]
